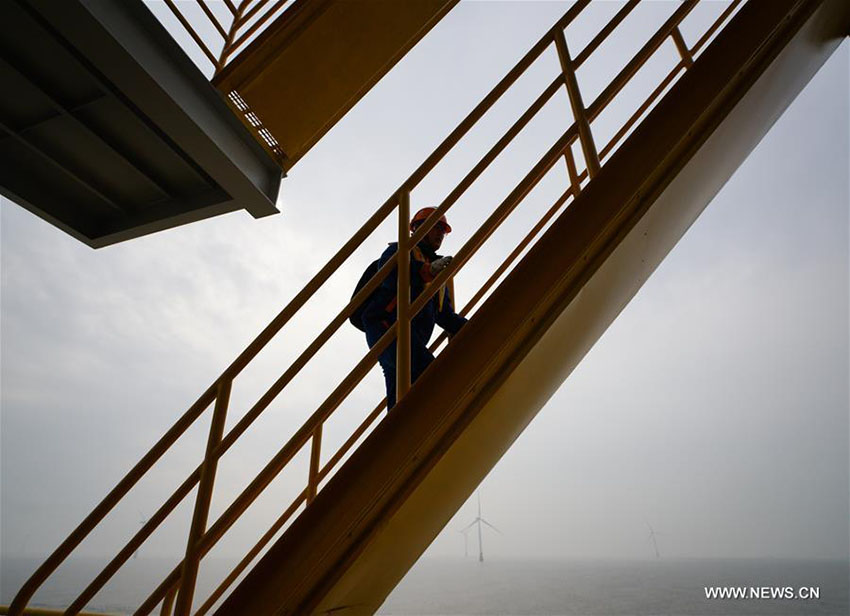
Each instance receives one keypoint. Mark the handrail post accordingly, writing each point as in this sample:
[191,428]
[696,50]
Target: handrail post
[403,291]
[168,602]
[575,183]
[315,454]
[202,503]
[682,47]
[591,158]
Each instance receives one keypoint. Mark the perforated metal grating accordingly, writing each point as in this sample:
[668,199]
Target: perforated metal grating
[256,125]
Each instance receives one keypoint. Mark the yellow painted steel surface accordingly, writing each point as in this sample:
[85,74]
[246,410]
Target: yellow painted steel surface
[382,509]
[315,62]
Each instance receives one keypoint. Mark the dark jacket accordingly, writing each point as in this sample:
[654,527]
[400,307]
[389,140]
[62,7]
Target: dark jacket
[381,308]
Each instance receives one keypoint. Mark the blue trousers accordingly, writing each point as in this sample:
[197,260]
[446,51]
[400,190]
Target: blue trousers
[420,358]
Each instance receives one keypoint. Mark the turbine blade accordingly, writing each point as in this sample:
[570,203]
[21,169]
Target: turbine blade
[466,528]
[491,526]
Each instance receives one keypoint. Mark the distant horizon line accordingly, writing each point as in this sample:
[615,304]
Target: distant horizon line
[495,558]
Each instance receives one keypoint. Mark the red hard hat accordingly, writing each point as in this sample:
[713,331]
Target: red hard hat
[424,213]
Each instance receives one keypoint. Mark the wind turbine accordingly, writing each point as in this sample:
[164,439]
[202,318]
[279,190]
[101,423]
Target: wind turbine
[652,538]
[479,521]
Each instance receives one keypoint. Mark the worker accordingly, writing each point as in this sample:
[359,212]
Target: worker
[379,313]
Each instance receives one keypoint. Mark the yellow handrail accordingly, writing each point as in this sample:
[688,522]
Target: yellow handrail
[179,584]
[232,34]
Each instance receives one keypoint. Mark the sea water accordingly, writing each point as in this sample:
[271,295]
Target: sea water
[513,587]
[637,588]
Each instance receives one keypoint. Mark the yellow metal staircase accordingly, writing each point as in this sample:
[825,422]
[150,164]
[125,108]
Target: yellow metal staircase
[356,528]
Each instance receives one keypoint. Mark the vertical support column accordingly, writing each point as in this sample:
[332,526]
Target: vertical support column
[579,112]
[403,303]
[682,47]
[571,170]
[168,602]
[315,453]
[189,573]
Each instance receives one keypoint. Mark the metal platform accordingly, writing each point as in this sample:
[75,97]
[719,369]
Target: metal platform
[327,52]
[109,131]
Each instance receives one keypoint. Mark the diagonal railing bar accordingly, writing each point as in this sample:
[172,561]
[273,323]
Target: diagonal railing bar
[715,26]
[531,235]
[468,250]
[231,7]
[487,102]
[236,36]
[165,592]
[295,443]
[269,535]
[349,443]
[212,18]
[633,119]
[240,19]
[234,47]
[632,67]
[507,263]
[127,551]
[188,27]
[640,110]
[228,39]
[597,40]
[106,505]
[252,553]
[245,17]
[486,160]
[509,260]
[203,541]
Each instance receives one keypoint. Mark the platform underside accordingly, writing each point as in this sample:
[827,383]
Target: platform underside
[107,129]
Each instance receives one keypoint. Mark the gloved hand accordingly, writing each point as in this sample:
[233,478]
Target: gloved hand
[438,265]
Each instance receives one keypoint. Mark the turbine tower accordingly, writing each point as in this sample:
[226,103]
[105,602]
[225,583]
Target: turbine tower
[652,538]
[479,521]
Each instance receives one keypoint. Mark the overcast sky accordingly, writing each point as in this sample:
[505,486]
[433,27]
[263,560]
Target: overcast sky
[715,408]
